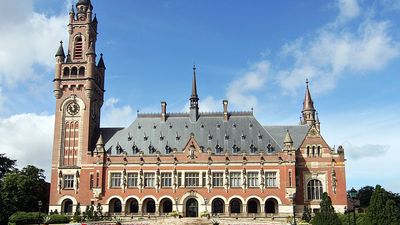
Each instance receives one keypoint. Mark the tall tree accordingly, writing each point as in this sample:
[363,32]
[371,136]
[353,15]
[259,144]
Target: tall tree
[382,209]
[6,165]
[392,213]
[327,214]
[364,195]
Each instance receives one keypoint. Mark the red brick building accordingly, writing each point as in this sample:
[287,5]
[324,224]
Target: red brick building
[225,163]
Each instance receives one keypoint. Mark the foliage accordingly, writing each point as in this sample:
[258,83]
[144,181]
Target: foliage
[77,215]
[306,214]
[56,219]
[382,209]
[327,214]
[46,220]
[88,215]
[215,222]
[173,214]
[364,195]
[21,191]
[361,218]
[117,220]
[6,165]
[20,218]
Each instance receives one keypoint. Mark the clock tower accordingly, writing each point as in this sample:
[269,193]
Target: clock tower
[79,91]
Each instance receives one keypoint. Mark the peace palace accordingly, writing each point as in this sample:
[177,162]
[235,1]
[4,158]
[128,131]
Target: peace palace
[225,163]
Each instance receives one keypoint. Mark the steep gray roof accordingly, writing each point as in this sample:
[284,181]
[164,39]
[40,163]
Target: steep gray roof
[297,132]
[148,133]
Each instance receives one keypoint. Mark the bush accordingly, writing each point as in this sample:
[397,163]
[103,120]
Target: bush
[55,218]
[173,214]
[20,218]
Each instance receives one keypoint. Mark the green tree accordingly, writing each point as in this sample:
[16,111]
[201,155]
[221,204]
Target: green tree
[364,195]
[327,214]
[392,213]
[377,207]
[21,191]
[306,214]
[6,165]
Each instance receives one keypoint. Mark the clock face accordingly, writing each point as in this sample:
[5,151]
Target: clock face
[73,108]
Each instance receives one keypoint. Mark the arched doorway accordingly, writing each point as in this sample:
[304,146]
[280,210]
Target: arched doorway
[217,206]
[149,206]
[235,205]
[192,208]
[115,206]
[253,205]
[66,206]
[271,206]
[166,205]
[132,206]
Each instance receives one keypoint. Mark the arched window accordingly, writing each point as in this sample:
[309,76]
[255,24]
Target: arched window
[217,206]
[308,151]
[78,48]
[74,71]
[314,189]
[313,151]
[81,71]
[66,71]
[235,205]
[319,151]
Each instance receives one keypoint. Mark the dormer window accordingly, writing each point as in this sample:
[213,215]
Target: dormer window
[235,148]
[243,136]
[135,149]
[168,149]
[152,150]
[218,149]
[270,148]
[118,148]
[226,136]
[253,148]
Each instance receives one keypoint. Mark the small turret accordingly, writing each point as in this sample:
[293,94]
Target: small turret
[100,64]
[288,141]
[60,52]
[308,108]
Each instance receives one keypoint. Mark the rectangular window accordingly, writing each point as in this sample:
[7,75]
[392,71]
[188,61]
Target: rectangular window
[217,179]
[179,179]
[91,181]
[235,179]
[166,179]
[252,179]
[290,178]
[97,179]
[149,179]
[132,180]
[68,181]
[270,179]
[115,180]
[191,179]
[203,178]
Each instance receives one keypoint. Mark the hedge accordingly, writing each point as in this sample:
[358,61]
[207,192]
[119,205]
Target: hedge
[21,218]
[55,218]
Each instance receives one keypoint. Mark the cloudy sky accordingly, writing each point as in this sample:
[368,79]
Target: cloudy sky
[255,54]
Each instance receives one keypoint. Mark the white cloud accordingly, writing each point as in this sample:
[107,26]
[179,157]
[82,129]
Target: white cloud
[240,91]
[28,138]
[334,52]
[27,38]
[115,116]
[365,151]
[348,9]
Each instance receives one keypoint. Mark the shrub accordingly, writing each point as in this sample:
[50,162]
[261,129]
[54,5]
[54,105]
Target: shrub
[56,218]
[205,214]
[173,214]
[20,218]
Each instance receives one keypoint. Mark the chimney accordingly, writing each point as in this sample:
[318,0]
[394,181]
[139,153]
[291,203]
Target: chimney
[225,103]
[163,111]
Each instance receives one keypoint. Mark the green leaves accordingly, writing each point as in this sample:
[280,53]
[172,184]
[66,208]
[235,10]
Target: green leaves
[327,214]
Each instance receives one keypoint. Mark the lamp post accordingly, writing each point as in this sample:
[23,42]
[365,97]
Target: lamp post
[293,197]
[353,197]
[40,208]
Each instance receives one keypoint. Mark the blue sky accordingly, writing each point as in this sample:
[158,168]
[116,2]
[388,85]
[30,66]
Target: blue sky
[255,54]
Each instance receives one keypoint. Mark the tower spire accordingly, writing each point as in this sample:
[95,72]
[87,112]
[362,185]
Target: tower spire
[194,99]
[308,107]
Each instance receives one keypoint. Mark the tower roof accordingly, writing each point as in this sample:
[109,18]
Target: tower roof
[83,2]
[288,138]
[101,62]
[91,50]
[194,85]
[60,51]
[308,103]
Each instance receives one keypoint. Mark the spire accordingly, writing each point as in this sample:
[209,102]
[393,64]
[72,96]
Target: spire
[194,85]
[308,108]
[60,51]
[91,50]
[100,141]
[308,103]
[101,62]
[194,99]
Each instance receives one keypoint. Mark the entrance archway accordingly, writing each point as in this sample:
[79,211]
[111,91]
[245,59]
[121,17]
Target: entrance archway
[271,206]
[132,206]
[253,205]
[192,208]
[149,206]
[166,205]
[217,206]
[235,205]
[115,205]
[66,206]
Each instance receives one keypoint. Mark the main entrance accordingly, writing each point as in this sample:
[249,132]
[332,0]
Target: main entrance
[192,208]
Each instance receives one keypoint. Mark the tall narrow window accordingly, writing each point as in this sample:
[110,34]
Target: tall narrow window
[290,178]
[203,179]
[308,151]
[313,151]
[314,190]
[319,151]
[97,179]
[78,48]
[179,179]
[91,181]
[81,71]
[66,71]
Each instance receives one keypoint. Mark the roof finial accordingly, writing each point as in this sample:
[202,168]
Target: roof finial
[307,81]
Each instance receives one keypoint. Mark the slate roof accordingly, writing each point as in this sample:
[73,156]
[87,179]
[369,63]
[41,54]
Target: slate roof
[242,132]
[297,132]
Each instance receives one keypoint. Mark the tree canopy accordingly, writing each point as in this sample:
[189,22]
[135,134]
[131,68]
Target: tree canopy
[327,214]
[382,209]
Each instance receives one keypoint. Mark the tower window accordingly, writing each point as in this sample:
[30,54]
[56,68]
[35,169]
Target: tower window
[81,71]
[78,48]
[74,71]
[66,71]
